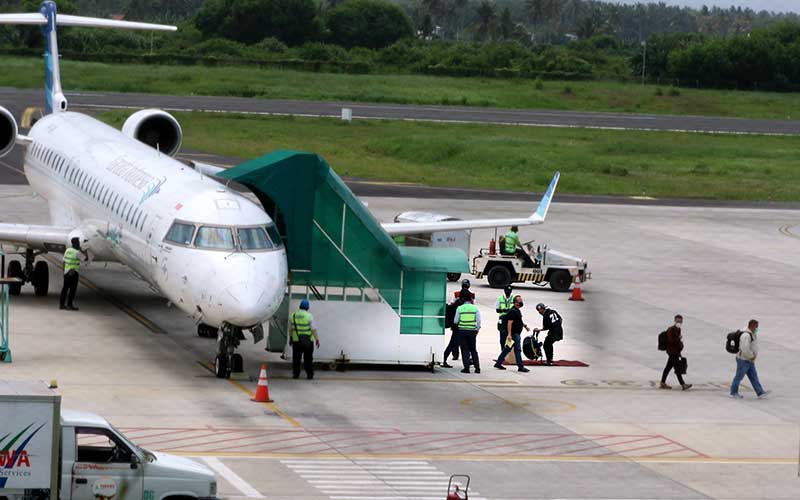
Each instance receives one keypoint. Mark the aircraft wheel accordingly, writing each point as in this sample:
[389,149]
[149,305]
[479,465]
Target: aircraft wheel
[560,280]
[453,277]
[15,271]
[221,366]
[499,277]
[40,279]
[237,363]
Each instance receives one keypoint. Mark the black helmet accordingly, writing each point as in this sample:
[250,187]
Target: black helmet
[465,283]
[508,290]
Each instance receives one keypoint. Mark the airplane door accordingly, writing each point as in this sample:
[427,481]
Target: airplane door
[106,467]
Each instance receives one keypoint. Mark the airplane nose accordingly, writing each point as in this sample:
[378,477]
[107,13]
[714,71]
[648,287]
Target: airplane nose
[247,303]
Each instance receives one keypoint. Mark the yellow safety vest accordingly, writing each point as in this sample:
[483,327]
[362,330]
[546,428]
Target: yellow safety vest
[512,240]
[506,303]
[72,261]
[467,317]
[301,325]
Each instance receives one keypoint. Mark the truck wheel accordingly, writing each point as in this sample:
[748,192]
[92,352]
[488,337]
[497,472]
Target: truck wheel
[40,279]
[560,280]
[221,366]
[15,271]
[499,277]
[453,277]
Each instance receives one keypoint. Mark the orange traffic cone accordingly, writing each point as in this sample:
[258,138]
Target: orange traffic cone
[576,290]
[262,391]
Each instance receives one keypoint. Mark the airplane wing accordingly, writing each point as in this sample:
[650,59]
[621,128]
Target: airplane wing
[47,238]
[398,228]
[39,19]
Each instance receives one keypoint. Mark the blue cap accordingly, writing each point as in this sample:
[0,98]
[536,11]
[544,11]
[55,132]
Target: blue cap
[304,304]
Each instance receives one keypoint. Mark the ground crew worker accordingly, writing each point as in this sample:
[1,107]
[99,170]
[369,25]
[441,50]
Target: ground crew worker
[449,322]
[551,322]
[72,267]
[400,240]
[511,242]
[304,336]
[502,305]
[468,319]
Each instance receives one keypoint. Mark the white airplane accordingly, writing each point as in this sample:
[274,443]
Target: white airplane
[204,247]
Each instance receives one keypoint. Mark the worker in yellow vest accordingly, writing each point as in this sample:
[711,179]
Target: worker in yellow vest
[468,319]
[72,267]
[304,337]
[511,242]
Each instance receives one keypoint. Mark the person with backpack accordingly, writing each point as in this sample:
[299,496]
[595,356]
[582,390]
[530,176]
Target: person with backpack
[449,322]
[672,341]
[746,354]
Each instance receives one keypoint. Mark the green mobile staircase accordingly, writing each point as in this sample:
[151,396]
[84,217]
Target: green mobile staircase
[5,348]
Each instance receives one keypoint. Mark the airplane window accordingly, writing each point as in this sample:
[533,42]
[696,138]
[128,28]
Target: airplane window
[128,212]
[138,219]
[114,203]
[220,238]
[180,233]
[253,238]
[275,236]
[143,221]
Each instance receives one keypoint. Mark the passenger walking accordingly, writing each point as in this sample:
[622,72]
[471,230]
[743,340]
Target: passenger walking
[502,305]
[465,284]
[304,337]
[449,322]
[514,326]
[72,267]
[468,319]
[674,349]
[551,323]
[746,361]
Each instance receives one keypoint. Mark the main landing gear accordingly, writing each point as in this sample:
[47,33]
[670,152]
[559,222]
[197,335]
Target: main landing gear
[35,273]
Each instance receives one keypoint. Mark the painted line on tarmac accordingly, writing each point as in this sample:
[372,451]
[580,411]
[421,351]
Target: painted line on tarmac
[443,120]
[497,383]
[272,406]
[460,457]
[787,231]
[233,478]
[152,327]
[12,168]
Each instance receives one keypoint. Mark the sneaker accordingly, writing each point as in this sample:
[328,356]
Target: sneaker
[465,370]
[548,363]
[764,394]
[499,367]
[477,370]
[61,308]
[735,396]
[665,386]
[686,387]
[523,370]
[445,365]
[72,308]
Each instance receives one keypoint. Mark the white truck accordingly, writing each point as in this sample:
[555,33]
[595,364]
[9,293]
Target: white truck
[442,239]
[46,453]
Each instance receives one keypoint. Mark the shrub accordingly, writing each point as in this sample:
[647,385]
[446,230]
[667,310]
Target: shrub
[538,84]
[674,92]
[659,92]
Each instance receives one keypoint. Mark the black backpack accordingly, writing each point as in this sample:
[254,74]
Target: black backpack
[732,341]
[662,341]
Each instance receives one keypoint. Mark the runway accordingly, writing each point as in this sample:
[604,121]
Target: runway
[446,114]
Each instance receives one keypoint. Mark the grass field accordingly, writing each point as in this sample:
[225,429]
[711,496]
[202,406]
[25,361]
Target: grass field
[408,89]
[657,164]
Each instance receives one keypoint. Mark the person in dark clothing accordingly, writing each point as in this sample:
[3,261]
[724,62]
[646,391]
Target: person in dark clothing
[449,322]
[674,349]
[551,322]
[468,319]
[514,326]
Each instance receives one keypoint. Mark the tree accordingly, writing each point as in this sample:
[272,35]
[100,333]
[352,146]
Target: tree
[487,15]
[368,23]
[506,24]
[249,21]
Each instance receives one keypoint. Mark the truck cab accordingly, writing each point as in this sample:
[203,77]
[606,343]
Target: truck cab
[99,463]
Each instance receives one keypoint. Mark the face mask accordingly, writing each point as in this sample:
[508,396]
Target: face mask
[755,330]
[520,304]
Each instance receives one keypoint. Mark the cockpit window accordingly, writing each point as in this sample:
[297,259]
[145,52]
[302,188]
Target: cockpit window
[180,233]
[274,235]
[253,238]
[219,238]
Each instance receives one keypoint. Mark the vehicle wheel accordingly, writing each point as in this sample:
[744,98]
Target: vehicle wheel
[15,271]
[453,277]
[221,366]
[499,277]
[40,279]
[560,280]
[237,363]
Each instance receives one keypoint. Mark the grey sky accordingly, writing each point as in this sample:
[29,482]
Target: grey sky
[757,5]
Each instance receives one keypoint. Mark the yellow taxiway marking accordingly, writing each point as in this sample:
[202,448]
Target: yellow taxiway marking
[116,302]
[460,457]
[787,231]
[272,406]
[500,383]
[555,406]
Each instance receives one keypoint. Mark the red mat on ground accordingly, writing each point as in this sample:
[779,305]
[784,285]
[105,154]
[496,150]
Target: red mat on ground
[539,362]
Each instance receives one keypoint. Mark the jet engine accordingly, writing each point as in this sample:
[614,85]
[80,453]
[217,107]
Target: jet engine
[158,129]
[8,131]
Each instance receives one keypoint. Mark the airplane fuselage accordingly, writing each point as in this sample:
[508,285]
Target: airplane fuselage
[206,248]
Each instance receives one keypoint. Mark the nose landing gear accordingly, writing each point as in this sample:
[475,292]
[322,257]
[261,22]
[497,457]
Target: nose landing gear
[227,361]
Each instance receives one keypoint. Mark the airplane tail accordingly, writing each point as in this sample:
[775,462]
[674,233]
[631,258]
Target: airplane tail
[48,19]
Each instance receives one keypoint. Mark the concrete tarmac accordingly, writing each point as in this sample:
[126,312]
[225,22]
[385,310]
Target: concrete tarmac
[602,431]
